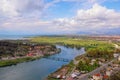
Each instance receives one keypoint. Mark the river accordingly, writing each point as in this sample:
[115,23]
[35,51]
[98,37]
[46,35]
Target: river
[38,69]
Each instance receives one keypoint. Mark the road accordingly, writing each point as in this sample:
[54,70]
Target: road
[85,77]
[69,74]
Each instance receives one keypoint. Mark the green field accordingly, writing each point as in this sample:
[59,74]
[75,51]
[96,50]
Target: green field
[94,48]
[87,43]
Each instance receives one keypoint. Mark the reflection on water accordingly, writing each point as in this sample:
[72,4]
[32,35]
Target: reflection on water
[38,69]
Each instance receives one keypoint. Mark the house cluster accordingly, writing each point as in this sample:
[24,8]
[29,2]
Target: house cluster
[102,74]
[100,61]
[40,51]
[117,55]
[29,50]
[61,73]
[35,51]
[106,38]
[75,74]
[105,73]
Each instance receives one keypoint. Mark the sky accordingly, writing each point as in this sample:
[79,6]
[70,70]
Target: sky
[56,17]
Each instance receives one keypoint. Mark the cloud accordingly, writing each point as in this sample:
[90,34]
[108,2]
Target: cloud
[23,16]
[21,8]
[99,15]
[31,8]
[14,8]
[91,20]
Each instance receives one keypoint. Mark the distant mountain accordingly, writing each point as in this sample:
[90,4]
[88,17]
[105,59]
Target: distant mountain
[113,31]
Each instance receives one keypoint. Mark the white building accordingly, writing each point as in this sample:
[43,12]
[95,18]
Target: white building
[108,73]
[119,58]
[97,77]
[115,55]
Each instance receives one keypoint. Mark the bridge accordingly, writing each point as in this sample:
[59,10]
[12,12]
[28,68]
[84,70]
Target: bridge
[58,59]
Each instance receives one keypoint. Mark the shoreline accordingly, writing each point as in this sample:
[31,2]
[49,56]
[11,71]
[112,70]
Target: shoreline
[70,65]
[7,60]
[10,62]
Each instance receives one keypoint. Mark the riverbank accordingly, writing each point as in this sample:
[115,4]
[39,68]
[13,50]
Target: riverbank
[86,67]
[97,53]
[5,63]
[17,51]
[39,69]
[61,72]
[77,70]
[9,62]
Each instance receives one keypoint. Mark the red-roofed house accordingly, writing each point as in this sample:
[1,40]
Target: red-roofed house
[97,77]
[30,54]
[105,77]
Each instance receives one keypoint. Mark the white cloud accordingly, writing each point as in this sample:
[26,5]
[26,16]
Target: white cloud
[15,8]
[95,18]
[31,8]
[86,20]
[99,16]
[98,12]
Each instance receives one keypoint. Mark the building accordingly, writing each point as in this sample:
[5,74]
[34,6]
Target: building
[115,55]
[108,73]
[119,58]
[97,77]
[105,77]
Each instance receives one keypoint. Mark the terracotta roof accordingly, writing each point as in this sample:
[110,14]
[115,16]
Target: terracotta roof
[105,76]
[97,74]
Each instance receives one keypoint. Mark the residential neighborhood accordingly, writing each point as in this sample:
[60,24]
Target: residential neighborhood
[104,71]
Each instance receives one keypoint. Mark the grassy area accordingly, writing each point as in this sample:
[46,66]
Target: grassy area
[50,78]
[15,61]
[77,42]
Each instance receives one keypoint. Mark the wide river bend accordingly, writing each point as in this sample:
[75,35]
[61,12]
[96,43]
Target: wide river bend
[39,69]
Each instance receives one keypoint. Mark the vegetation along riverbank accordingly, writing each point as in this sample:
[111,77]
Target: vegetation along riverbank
[98,53]
[15,51]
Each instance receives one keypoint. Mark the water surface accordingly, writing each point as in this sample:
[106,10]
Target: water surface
[38,69]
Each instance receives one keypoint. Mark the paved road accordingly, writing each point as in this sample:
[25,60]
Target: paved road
[85,77]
